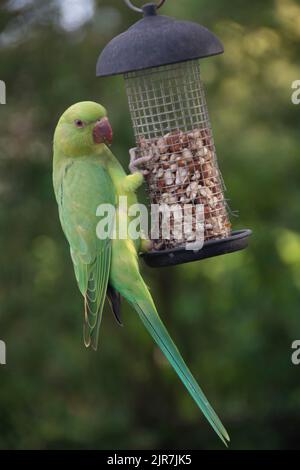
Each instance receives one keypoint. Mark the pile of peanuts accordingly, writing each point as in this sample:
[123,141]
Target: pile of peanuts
[182,169]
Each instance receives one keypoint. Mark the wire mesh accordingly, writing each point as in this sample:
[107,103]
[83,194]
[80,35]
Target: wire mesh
[172,130]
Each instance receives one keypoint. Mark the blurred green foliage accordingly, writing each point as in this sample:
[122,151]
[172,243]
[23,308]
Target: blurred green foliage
[233,317]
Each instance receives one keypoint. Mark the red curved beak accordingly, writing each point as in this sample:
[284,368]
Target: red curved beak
[102,132]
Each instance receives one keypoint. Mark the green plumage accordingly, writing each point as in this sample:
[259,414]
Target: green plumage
[85,175]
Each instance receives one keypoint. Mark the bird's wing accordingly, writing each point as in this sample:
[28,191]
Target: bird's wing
[84,186]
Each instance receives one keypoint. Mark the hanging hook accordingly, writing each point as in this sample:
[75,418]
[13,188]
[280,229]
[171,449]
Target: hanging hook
[140,10]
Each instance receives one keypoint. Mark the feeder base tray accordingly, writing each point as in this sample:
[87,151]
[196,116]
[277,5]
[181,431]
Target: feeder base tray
[236,242]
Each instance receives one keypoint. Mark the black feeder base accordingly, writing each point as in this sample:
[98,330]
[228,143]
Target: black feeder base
[236,242]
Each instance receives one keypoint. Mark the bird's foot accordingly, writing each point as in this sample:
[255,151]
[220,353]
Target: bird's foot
[135,163]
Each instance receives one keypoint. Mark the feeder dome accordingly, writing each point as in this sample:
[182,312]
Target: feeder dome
[156,40]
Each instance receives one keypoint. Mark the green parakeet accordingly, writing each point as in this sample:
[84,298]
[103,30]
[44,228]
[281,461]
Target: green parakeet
[85,175]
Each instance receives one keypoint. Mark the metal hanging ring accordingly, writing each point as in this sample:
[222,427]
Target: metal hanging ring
[140,10]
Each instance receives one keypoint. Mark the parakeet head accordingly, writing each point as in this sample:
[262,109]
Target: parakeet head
[82,129]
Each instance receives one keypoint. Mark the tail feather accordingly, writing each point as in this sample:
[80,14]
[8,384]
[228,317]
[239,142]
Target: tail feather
[115,302]
[158,331]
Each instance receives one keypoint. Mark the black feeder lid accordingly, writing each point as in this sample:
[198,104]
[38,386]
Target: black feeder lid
[156,40]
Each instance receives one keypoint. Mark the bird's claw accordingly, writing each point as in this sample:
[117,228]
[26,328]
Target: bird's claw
[135,163]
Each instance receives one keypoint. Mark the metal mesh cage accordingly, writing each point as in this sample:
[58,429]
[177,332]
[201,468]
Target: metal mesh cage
[175,145]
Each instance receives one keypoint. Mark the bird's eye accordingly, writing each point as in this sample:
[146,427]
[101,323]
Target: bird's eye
[79,123]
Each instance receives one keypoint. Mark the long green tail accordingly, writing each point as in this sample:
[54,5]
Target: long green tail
[156,328]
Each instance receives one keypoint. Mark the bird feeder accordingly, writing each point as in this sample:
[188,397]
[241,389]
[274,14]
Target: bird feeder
[159,58]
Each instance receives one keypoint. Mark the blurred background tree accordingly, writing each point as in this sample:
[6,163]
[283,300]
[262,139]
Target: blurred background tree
[234,317]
